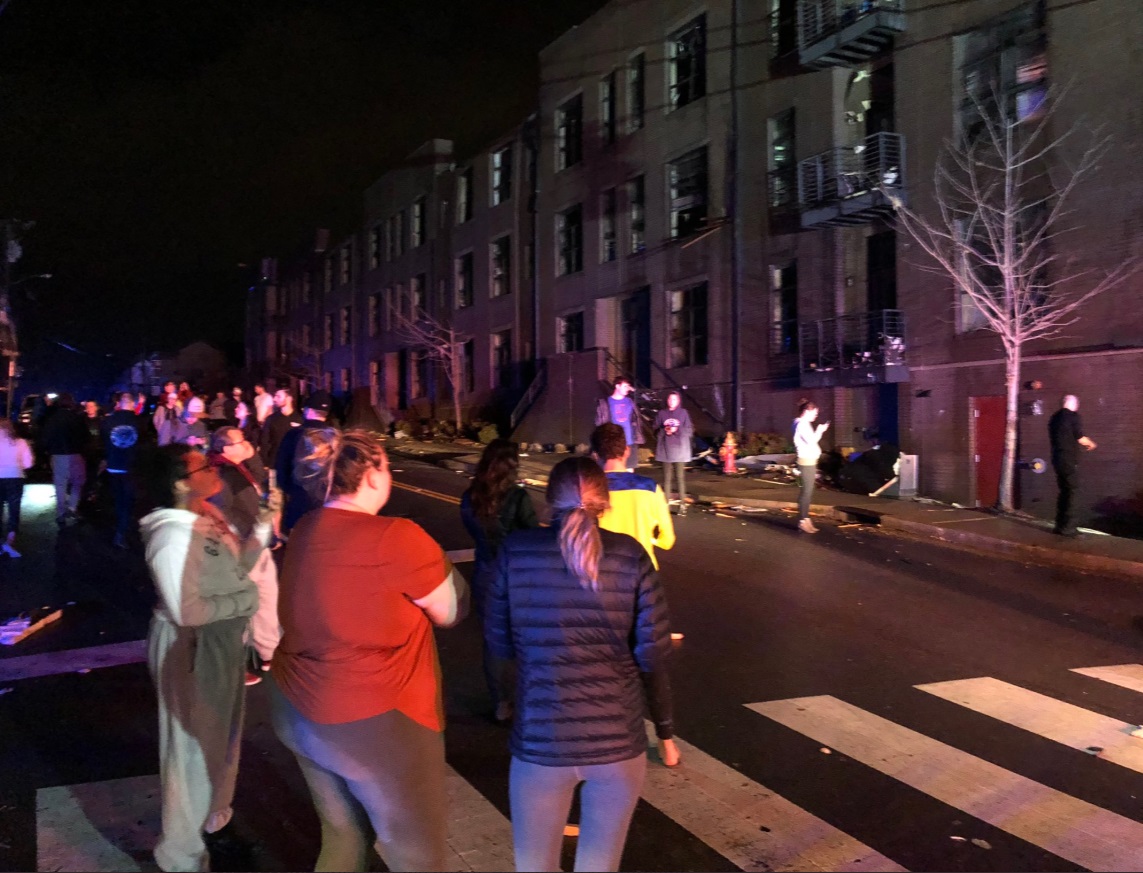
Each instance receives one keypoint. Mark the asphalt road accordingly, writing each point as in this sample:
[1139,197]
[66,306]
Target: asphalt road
[808,743]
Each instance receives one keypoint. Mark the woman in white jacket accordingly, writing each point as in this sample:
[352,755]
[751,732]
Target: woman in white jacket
[15,458]
[806,444]
[195,648]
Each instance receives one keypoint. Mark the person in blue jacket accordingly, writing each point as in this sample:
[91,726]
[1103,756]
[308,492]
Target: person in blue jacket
[582,612]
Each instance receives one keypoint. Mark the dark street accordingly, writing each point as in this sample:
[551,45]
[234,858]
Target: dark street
[871,766]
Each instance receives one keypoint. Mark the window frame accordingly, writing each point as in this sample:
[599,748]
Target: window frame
[500,173]
[464,267]
[636,91]
[569,132]
[500,270]
[677,188]
[689,346]
[569,240]
[686,43]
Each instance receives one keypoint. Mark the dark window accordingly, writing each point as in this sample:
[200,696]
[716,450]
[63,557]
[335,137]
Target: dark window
[419,223]
[569,133]
[464,280]
[689,326]
[608,239]
[501,258]
[464,196]
[686,63]
[569,241]
[1005,61]
[607,108]
[783,27]
[345,325]
[688,190]
[374,314]
[636,91]
[783,164]
[346,261]
[636,215]
[502,175]
[327,332]
[502,370]
[375,247]
[784,309]
[571,332]
[418,295]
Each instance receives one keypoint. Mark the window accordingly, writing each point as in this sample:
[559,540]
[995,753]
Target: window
[399,234]
[375,247]
[502,359]
[345,271]
[784,308]
[464,280]
[343,380]
[390,238]
[464,196]
[1007,61]
[607,234]
[327,332]
[418,295]
[400,305]
[636,91]
[327,275]
[375,383]
[571,332]
[307,287]
[688,326]
[468,362]
[607,112]
[783,27]
[688,190]
[569,133]
[344,326]
[374,313]
[418,374]
[502,175]
[686,63]
[636,215]
[569,241]
[782,164]
[418,224]
[501,256]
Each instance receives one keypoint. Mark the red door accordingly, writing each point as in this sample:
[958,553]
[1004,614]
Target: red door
[987,446]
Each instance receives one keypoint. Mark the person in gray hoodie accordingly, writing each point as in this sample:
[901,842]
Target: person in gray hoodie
[195,648]
[673,432]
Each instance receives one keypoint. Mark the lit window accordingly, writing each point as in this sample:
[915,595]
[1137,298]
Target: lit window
[686,63]
[464,196]
[636,91]
[636,216]
[608,240]
[419,223]
[501,258]
[607,108]
[502,175]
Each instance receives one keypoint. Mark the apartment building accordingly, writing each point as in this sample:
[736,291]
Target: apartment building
[703,201]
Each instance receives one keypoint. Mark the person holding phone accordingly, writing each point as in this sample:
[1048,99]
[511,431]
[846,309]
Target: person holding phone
[807,440]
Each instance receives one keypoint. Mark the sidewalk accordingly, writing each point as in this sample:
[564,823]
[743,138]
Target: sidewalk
[1029,540]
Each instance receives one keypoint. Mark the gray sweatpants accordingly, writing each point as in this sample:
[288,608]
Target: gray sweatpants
[198,674]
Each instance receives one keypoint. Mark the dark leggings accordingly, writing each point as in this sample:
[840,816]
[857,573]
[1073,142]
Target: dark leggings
[809,474]
[11,493]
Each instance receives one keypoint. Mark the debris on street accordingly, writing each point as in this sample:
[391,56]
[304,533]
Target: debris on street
[19,628]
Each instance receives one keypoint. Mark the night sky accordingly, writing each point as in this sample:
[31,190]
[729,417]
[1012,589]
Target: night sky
[159,145]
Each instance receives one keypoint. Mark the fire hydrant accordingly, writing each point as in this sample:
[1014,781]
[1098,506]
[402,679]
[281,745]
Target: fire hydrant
[728,453]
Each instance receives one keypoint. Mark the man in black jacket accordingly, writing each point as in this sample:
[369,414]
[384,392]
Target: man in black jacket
[1065,429]
[121,432]
[63,438]
[298,502]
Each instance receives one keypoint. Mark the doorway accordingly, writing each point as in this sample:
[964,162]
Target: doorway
[987,423]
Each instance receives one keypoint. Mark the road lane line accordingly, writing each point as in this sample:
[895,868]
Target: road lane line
[71,660]
[1047,717]
[1066,826]
[728,812]
[1129,676]
[447,498]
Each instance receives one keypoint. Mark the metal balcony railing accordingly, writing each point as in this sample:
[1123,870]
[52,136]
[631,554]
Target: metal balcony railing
[846,32]
[852,180]
[871,343]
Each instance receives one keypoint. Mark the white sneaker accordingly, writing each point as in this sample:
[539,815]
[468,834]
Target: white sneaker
[807,526]
[9,551]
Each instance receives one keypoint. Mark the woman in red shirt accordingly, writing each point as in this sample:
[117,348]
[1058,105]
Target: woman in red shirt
[357,693]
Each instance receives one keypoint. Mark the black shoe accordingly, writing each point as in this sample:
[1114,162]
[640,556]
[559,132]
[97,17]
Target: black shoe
[1070,533]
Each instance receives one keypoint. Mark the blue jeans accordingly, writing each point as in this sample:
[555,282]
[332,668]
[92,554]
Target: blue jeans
[541,797]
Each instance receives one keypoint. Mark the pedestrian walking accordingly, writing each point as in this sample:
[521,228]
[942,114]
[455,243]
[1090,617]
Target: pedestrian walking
[195,648]
[619,408]
[121,433]
[15,458]
[239,499]
[64,438]
[673,432]
[356,694]
[583,614]
[807,439]
[1066,433]
[637,505]
[492,507]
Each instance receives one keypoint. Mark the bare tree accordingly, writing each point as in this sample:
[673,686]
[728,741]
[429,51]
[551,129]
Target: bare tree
[436,338]
[302,362]
[1004,190]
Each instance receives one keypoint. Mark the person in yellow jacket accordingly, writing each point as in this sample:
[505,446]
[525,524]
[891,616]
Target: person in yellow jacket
[638,505]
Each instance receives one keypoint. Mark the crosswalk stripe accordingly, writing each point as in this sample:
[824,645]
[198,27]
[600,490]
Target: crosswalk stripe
[1047,717]
[1063,825]
[1128,676]
[727,811]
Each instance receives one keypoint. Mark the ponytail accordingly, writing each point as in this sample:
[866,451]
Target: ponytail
[577,495]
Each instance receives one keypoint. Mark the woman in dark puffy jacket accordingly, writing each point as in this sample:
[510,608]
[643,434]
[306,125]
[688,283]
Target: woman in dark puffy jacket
[583,614]
[493,507]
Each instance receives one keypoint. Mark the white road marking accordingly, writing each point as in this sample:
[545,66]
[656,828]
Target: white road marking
[71,660]
[728,812]
[1047,717]
[1128,676]
[1068,827]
